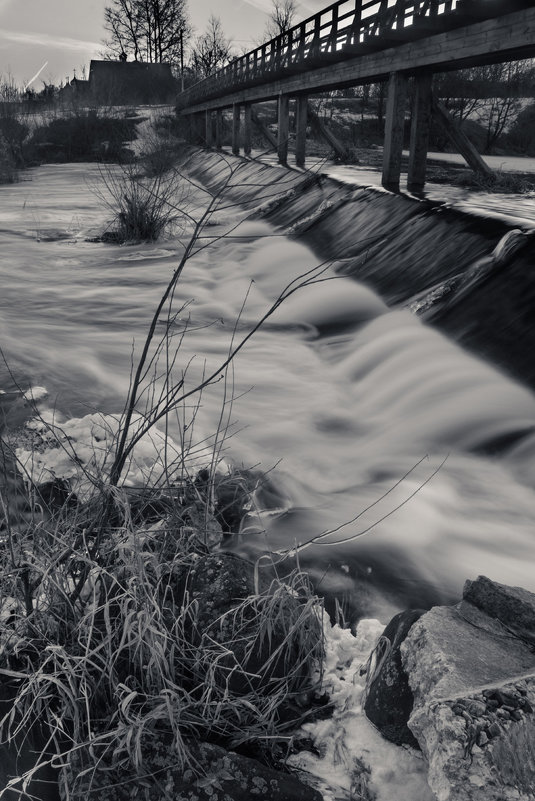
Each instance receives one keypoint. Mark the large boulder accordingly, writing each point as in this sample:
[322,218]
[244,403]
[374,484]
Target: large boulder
[514,607]
[389,698]
[473,682]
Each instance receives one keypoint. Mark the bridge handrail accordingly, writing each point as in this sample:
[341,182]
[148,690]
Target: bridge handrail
[366,22]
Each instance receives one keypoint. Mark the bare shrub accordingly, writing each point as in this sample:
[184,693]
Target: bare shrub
[143,207]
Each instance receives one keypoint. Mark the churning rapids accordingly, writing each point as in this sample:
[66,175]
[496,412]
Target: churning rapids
[360,413]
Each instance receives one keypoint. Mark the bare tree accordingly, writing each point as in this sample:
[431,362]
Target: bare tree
[212,50]
[147,30]
[502,104]
[490,95]
[280,18]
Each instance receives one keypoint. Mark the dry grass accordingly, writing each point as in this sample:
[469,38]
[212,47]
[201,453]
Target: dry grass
[514,758]
[116,650]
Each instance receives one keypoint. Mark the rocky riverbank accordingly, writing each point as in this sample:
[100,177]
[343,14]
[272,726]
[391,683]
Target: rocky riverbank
[467,674]
[274,697]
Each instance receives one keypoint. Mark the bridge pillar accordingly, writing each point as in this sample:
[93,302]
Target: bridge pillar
[394,125]
[284,128]
[420,124]
[236,129]
[208,128]
[301,114]
[218,129]
[199,128]
[247,128]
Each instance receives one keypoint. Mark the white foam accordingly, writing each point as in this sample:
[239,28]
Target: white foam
[347,736]
[35,394]
[81,451]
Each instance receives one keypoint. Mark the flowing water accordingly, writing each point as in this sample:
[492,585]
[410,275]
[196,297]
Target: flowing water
[372,426]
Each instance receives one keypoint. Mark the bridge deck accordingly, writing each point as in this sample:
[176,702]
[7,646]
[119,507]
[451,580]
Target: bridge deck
[361,31]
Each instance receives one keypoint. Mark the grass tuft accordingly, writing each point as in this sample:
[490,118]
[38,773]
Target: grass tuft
[118,647]
[143,207]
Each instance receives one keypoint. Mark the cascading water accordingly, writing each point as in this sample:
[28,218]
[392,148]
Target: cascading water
[371,425]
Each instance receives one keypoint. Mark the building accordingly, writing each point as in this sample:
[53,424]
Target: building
[127,82]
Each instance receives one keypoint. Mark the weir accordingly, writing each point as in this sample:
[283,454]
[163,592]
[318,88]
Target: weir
[403,247]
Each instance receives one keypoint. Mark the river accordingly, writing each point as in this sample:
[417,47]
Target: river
[369,424]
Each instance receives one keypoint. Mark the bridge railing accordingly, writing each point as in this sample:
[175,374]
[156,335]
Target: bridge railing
[345,28]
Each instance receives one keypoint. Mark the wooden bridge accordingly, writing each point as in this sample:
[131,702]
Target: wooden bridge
[354,42]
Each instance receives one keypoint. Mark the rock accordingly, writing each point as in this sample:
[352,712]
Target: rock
[218,775]
[219,582]
[514,607]
[456,648]
[243,779]
[464,669]
[482,739]
[389,698]
[477,708]
[230,598]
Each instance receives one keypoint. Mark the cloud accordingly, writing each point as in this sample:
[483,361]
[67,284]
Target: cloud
[261,5]
[49,40]
[266,6]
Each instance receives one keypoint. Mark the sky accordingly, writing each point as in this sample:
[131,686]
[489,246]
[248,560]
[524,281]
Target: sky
[66,34]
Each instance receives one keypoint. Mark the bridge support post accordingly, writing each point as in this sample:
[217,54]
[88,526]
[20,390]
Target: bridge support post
[420,124]
[301,114]
[236,129]
[247,125]
[208,128]
[199,128]
[264,130]
[322,130]
[218,128]
[460,139]
[394,125]
[284,128]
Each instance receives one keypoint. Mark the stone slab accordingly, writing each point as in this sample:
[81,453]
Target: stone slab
[451,650]
[473,683]
[514,607]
